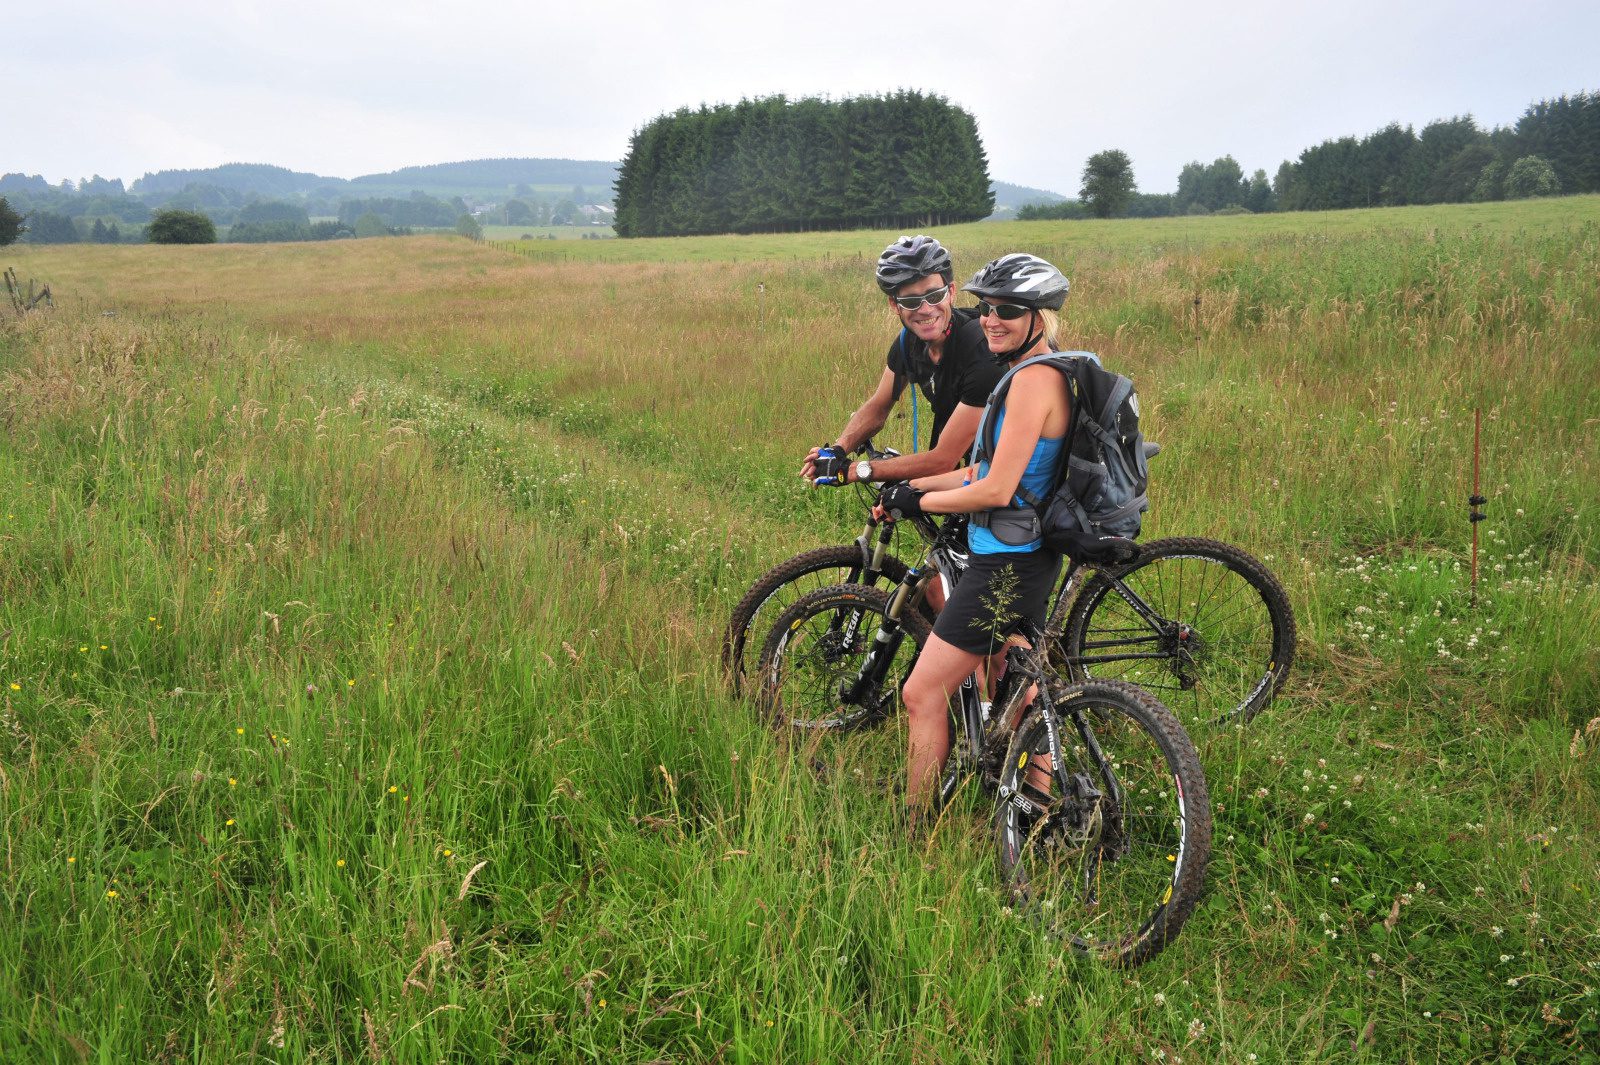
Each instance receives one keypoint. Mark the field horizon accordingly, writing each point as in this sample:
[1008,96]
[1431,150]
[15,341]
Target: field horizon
[359,608]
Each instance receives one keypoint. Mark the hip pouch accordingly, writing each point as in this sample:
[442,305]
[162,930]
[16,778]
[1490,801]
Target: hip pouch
[1012,526]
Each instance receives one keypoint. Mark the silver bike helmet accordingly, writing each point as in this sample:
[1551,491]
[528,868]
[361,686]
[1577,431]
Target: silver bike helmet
[1023,279]
[910,259]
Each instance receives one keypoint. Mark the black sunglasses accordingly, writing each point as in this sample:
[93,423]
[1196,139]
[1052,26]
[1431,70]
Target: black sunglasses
[935,298]
[1008,312]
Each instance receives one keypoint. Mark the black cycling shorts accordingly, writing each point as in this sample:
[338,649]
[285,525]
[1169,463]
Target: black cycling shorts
[994,596]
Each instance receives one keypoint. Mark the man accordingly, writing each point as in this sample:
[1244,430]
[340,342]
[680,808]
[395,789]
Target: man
[940,350]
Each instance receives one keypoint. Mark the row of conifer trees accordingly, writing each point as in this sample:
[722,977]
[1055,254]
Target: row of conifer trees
[902,160]
[1554,147]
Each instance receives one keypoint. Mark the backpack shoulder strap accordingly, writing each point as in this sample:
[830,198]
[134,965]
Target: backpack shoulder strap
[984,442]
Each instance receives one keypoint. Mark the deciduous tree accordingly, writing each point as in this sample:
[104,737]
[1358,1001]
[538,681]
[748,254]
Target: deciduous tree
[1531,176]
[1107,183]
[182,227]
[370,225]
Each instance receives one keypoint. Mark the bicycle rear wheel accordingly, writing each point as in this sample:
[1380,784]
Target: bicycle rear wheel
[1224,643]
[1104,832]
[777,589]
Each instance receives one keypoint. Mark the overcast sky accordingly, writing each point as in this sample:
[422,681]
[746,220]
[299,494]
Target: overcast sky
[345,89]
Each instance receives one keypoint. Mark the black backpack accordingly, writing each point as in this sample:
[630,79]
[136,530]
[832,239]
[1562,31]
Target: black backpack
[1100,492]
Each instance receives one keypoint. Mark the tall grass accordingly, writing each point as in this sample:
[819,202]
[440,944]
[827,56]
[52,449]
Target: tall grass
[358,608]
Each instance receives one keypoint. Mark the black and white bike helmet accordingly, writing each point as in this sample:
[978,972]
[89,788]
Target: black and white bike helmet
[1023,279]
[910,259]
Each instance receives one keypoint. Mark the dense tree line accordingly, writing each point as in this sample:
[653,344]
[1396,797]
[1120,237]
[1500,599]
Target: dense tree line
[1222,186]
[1556,145]
[416,210]
[1553,148]
[906,159]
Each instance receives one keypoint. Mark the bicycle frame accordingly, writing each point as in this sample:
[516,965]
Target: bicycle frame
[984,728]
[1072,582]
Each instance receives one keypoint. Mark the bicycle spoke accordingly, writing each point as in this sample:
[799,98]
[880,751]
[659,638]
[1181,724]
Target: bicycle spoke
[1107,849]
[1224,636]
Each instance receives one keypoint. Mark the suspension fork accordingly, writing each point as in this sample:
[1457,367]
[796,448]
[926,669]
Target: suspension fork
[873,551]
[886,641]
[1007,710]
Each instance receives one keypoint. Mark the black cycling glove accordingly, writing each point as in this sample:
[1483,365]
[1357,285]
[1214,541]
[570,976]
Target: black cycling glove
[831,468]
[900,500]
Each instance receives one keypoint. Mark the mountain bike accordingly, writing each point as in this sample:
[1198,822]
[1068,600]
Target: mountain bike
[1102,817]
[1201,623]
[869,560]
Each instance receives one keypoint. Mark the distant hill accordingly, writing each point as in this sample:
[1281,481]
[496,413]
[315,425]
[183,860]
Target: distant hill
[1009,198]
[243,178]
[477,178]
[499,174]
[480,180]
[1014,196]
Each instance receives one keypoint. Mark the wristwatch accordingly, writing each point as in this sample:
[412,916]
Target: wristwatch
[863,471]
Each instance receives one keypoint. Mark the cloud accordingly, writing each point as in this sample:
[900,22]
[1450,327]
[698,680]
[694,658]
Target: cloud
[355,88]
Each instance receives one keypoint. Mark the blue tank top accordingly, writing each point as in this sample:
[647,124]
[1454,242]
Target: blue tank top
[1037,478]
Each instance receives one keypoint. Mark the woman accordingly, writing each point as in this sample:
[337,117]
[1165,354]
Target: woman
[1005,583]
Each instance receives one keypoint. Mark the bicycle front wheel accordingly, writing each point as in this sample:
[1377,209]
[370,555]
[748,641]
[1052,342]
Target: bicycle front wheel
[777,589]
[1218,642]
[1103,822]
[835,660]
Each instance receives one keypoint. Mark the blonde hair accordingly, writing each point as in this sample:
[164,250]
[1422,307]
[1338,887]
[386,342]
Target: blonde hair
[1051,324]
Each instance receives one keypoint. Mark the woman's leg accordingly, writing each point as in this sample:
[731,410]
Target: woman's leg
[940,669]
[1039,768]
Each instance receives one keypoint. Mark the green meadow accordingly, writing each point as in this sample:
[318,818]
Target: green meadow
[359,616]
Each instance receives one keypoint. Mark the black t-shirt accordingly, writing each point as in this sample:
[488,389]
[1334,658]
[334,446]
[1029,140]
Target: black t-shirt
[966,372]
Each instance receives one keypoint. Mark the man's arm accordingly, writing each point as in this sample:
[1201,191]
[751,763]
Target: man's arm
[867,420]
[872,415]
[955,441]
